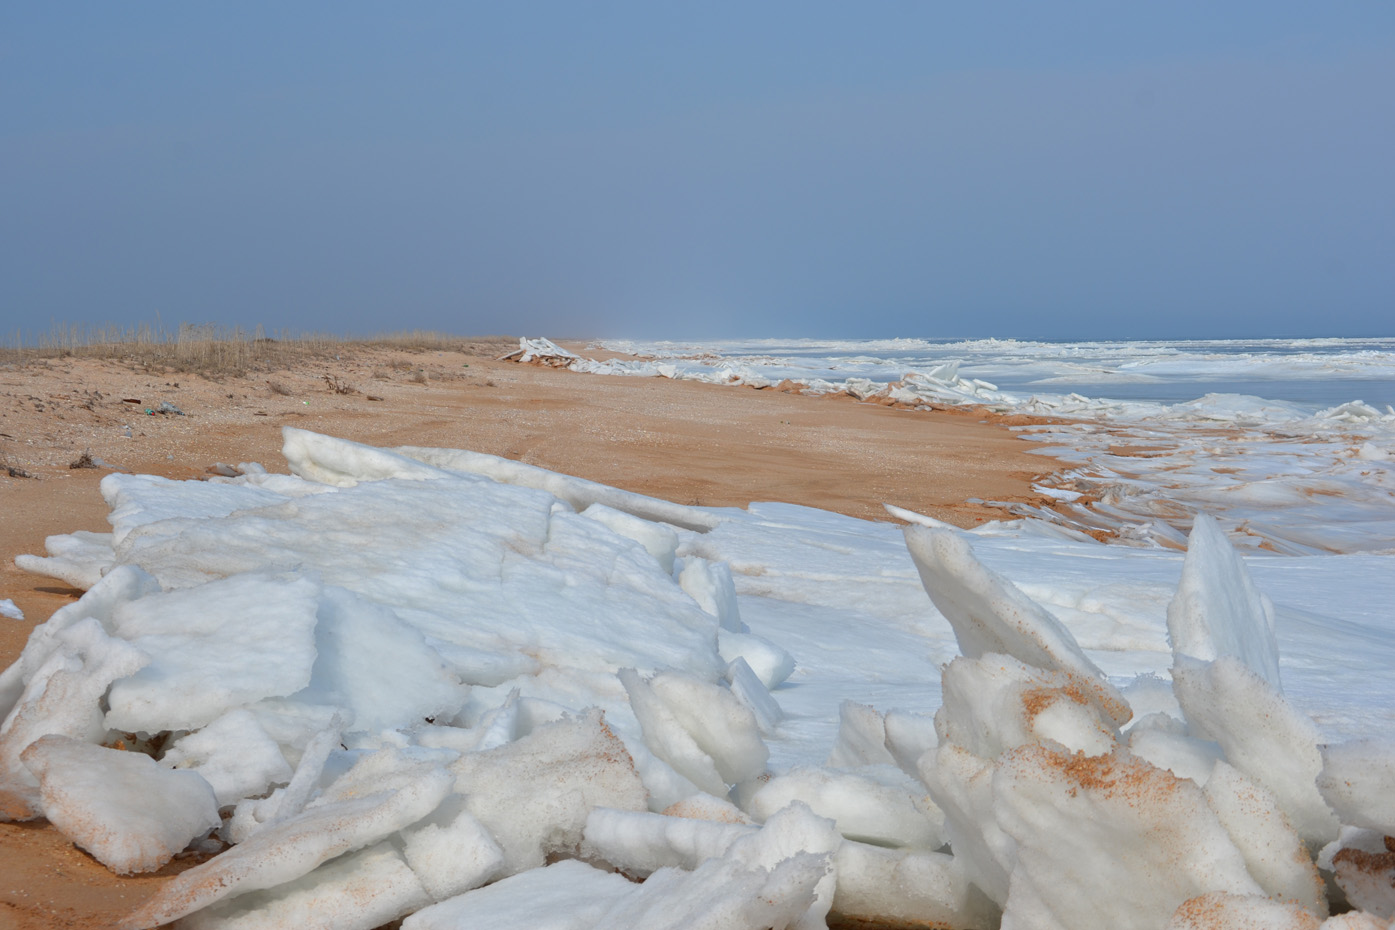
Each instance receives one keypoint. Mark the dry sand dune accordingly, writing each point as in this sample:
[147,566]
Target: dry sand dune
[687,442]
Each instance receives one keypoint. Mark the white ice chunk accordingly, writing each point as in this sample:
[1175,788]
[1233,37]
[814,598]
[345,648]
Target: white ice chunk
[342,464]
[358,891]
[989,614]
[794,833]
[722,894]
[1217,609]
[1358,781]
[994,702]
[253,814]
[121,584]
[534,794]
[220,645]
[79,559]
[658,540]
[1162,740]
[380,795]
[1274,855]
[749,690]
[8,609]
[771,663]
[1261,735]
[451,851]
[711,585]
[1087,827]
[667,738]
[138,501]
[705,807]
[1219,910]
[233,754]
[881,805]
[662,781]
[909,736]
[722,726]
[568,895]
[377,667]
[640,843]
[1355,920]
[903,887]
[961,785]
[63,697]
[861,737]
[1368,879]
[578,492]
[123,808]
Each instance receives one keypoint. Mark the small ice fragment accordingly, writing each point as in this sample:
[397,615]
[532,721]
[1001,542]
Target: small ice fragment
[640,843]
[8,609]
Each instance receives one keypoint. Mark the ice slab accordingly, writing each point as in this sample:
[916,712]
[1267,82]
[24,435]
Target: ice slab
[380,795]
[129,813]
[1358,781]
[357,891]
[875,804]
[1218,610]
[533,795]
[991,615]
[234,754]
[62,697]
[1088,826]
[567,895]
[1261,735]
[222,645]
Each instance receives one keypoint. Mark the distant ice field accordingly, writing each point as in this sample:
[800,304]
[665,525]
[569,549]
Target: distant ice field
[1289,443]
[1314,373]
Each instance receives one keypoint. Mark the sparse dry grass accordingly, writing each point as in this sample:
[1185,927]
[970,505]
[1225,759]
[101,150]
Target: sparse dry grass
[218,352]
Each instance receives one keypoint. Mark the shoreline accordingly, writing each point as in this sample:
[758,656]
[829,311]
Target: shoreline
[683,441]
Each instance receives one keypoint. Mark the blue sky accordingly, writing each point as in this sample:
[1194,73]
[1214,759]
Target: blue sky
[1063,170]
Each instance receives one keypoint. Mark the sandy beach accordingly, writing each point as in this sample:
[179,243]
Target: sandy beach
[692,443]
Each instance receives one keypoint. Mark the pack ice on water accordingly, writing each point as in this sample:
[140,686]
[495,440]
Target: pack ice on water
[440,687]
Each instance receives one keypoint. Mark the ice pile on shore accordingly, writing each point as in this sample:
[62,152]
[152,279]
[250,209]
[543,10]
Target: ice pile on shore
[434,683]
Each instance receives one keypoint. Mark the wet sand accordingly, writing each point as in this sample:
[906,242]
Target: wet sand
[709,445]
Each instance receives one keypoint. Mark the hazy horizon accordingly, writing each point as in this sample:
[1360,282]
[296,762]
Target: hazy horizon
[1016,171]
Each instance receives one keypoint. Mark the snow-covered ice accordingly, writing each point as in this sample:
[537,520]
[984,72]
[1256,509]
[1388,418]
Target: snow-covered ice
[427,684]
